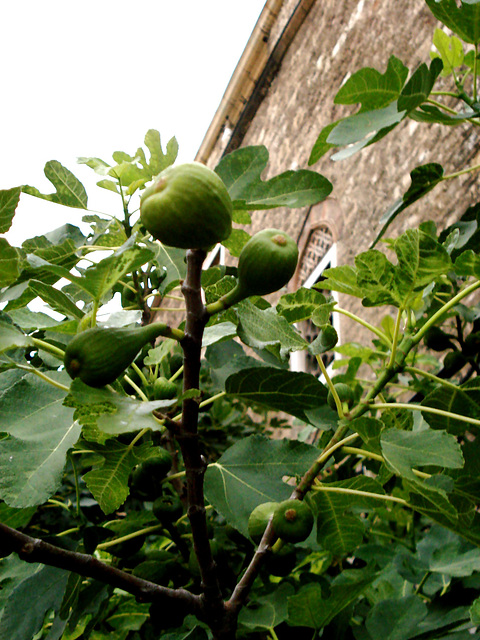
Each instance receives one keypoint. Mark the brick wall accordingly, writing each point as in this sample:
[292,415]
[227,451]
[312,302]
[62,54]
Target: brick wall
[336,39]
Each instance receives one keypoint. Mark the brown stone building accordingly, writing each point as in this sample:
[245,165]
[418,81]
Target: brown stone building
[281,95]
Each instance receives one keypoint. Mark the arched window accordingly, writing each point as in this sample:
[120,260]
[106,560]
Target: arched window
[318,252]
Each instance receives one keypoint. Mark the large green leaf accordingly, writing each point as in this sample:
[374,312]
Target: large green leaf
[111,412]
[278,389]
[405,450]
[10,336]
[464,20]
[339,530]
[69,191]
[309,607]
[41,432]
[108,480]
[463,401]
[9,199]
[419,86]
[57,299]
[30,600]
[424,179]
[241,171]
[373,89]
[300,305]
[267,611]
[251,472]
[9,263]
[261,328]
[396,619]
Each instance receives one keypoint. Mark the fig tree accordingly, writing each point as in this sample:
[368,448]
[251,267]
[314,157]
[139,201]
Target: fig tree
[187,207]
[293,520]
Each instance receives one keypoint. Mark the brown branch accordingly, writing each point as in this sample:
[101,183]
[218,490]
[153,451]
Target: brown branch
[195,464]
[34,550]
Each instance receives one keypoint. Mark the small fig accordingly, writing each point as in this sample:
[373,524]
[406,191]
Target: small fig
[146,479]
[345,394]
[129,296]
[293,520]
[167,508]
[437,340]
[163,389]
[100,355]
[266,264]
[258,520]
[188,207]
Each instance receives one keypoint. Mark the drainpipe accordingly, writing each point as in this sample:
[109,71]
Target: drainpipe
[243,80]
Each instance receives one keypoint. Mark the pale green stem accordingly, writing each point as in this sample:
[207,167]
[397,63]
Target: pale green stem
[416,407]
[67,532]
[135,534]
[272,633]
[140,373]
[475,167]
[475,73]
[44,377]
[94,313]
[375,456]
[442,106]
[182,309]
[177,374]
[396,334]
[139,435]
[46,346]
[365,494]
[446,307]
[174,476]
[364,323]
[341,443]
[208,401]
[331,386]
[170,297]
[137,388]
[431,376]
[451,94]
[77,485]
[57,503]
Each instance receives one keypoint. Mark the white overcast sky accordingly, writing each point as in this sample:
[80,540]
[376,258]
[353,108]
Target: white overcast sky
[89,78]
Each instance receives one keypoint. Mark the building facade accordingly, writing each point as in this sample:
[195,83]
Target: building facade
[282,94]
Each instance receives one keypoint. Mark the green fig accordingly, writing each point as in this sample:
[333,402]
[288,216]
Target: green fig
[293,520]
[146,479]
[266,264]
[258,520]
[345,394]
[100,355]
[163,389]
[167,508]
[188,207]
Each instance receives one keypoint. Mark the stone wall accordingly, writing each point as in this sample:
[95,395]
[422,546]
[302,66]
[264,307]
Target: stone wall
[336,39]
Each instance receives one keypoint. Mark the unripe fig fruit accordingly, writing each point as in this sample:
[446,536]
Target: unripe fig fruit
[282,562]
[167,508]
[188,207]
[266,264]
[163,389]
[345,394]
[129,296]
[293,520]
[146,479]
[98,356]
[437,340]
[258,520]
